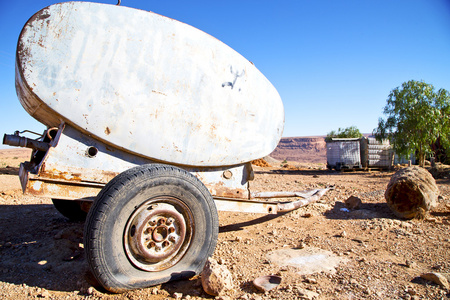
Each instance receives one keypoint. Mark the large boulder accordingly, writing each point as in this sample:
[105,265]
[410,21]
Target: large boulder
[411,192]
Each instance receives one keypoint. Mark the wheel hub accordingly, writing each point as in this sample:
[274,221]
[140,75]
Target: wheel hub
[156,236]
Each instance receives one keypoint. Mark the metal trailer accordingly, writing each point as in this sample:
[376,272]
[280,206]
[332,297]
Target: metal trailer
[151,129]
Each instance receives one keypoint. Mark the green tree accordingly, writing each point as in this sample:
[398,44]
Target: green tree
[349,132]
[416,117]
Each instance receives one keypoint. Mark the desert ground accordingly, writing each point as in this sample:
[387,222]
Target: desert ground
[334,252]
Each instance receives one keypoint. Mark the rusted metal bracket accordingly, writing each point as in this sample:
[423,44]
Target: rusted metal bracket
[270,207]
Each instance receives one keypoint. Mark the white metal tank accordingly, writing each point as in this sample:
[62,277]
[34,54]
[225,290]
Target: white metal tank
[147,84]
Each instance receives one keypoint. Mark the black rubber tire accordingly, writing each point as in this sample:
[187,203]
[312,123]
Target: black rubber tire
[70,209]
[105,237]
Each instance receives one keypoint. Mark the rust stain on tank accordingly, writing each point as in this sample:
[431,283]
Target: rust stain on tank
[61,176]
[219,190]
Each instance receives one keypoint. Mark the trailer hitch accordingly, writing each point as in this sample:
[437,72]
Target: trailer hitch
[21,141]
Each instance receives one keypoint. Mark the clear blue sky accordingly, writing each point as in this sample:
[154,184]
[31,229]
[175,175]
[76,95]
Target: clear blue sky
[333,62]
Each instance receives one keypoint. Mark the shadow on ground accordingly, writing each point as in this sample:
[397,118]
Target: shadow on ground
[40,248]
[365,211]
[9,171]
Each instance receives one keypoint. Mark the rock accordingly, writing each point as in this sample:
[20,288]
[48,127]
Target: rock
[410,264]
[216,279]
[310,280]
[44,294]
[411,192]
[301,245]
[90,291]
[177,296]
[353,202]
[437,278]
[8,193]
[307,294]
[342,234]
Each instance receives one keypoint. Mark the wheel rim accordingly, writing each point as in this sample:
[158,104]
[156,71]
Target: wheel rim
[158,233]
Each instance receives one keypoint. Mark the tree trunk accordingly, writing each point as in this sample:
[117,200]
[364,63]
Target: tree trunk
[411,192]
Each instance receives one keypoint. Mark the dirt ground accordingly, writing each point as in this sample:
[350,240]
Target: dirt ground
[381,256]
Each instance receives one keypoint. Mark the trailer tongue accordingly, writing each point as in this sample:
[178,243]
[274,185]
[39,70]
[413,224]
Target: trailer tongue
[152,127]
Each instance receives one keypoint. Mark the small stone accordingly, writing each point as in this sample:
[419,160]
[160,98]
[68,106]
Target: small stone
[44,294]
[411,291]
[90,290]
[310,280]
[177,295]
[8,192]
[410,264]
[353,202]
[437,278]
[307,294]
[301,245]
[436,267]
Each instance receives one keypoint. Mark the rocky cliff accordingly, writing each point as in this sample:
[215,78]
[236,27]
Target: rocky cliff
[301,149]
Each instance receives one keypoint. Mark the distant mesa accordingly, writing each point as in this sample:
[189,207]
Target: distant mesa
[311,149]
